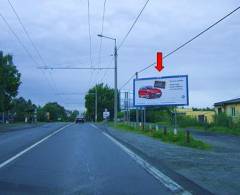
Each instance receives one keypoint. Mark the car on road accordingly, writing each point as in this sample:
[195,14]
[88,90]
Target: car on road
[80,119]
[149,92]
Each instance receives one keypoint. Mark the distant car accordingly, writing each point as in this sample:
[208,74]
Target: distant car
[80,120]
[149,92]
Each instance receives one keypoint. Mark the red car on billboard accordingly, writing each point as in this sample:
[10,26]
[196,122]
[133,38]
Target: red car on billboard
[149,92]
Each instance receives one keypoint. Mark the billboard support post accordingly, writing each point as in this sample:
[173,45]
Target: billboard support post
[175,120]
[144,116]
[137,117]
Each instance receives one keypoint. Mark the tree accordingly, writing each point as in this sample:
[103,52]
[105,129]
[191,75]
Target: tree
[105,99]
[22,108]
[52,112]
[73,115]
[9,81]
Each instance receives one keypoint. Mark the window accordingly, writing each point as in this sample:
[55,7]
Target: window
[233,111]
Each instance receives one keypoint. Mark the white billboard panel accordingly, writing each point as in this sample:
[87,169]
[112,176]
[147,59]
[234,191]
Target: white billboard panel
[161,91]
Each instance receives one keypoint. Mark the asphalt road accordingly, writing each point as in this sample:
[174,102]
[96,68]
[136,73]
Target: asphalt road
[79,159]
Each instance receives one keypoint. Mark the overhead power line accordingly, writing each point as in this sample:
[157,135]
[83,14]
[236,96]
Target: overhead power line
[90,41]
[184,44]
[26,32]
[100,46]
[127,34]
[89,34]
[20,41]
[135,21]
[73,68]
[102,28]
[106,71]
[71,94]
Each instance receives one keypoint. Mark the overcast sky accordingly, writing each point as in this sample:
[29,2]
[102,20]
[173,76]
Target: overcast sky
[60,31]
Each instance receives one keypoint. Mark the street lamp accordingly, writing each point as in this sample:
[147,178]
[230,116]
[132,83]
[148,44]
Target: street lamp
[115,77]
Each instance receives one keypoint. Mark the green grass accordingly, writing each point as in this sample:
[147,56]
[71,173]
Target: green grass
[218,129]
[225,130]
[179,139]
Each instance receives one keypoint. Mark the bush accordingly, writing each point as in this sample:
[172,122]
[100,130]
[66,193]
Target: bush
[222,120]
[162,115]
[187,121]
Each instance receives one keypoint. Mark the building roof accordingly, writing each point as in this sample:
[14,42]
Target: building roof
[233,101]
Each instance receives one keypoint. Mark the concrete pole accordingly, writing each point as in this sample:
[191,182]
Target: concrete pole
[125,106]
[137,113]
[115,85]
[96,103]
[128,114]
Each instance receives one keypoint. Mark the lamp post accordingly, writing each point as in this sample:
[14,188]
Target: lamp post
[115,77]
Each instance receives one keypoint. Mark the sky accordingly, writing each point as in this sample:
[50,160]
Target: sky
[59,29]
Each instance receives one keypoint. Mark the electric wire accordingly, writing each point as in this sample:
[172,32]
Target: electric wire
[135,21]
[89,34]
[30,40]
[23,46]
[102,28]
[100,46]
[184,44]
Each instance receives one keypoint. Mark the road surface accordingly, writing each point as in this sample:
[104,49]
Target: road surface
[77,159]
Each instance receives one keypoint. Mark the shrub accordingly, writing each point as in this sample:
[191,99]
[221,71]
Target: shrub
[187,121]
[223,120]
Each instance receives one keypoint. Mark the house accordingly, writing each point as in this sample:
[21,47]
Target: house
[201,115]
[230,107]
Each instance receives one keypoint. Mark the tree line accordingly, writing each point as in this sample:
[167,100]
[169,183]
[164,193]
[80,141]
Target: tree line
[18,109]
[104,95]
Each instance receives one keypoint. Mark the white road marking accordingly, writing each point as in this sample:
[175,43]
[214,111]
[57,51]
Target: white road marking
[161,177]
[31,147]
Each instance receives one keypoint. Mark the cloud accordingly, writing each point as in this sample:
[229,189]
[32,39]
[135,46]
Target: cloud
[60,31]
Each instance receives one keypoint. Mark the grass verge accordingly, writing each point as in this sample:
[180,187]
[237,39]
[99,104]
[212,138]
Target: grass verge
[224,130]
[179,139]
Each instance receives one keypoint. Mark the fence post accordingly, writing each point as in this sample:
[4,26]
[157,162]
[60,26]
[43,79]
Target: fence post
[187,136]
[156,128]
[164,130]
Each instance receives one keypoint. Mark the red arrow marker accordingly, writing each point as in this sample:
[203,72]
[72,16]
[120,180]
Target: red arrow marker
[159,65]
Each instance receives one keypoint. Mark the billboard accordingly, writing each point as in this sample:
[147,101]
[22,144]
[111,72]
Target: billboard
[161,91]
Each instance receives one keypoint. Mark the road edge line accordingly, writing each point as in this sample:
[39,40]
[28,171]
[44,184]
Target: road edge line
[157,174]
[3,164]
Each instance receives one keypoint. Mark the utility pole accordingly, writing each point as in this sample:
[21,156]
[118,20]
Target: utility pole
[128,115]
[137,117]
[96,103]
[125,106]
[115,77]
[115,84]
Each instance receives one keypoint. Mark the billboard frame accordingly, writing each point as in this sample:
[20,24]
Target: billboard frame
[164,77]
